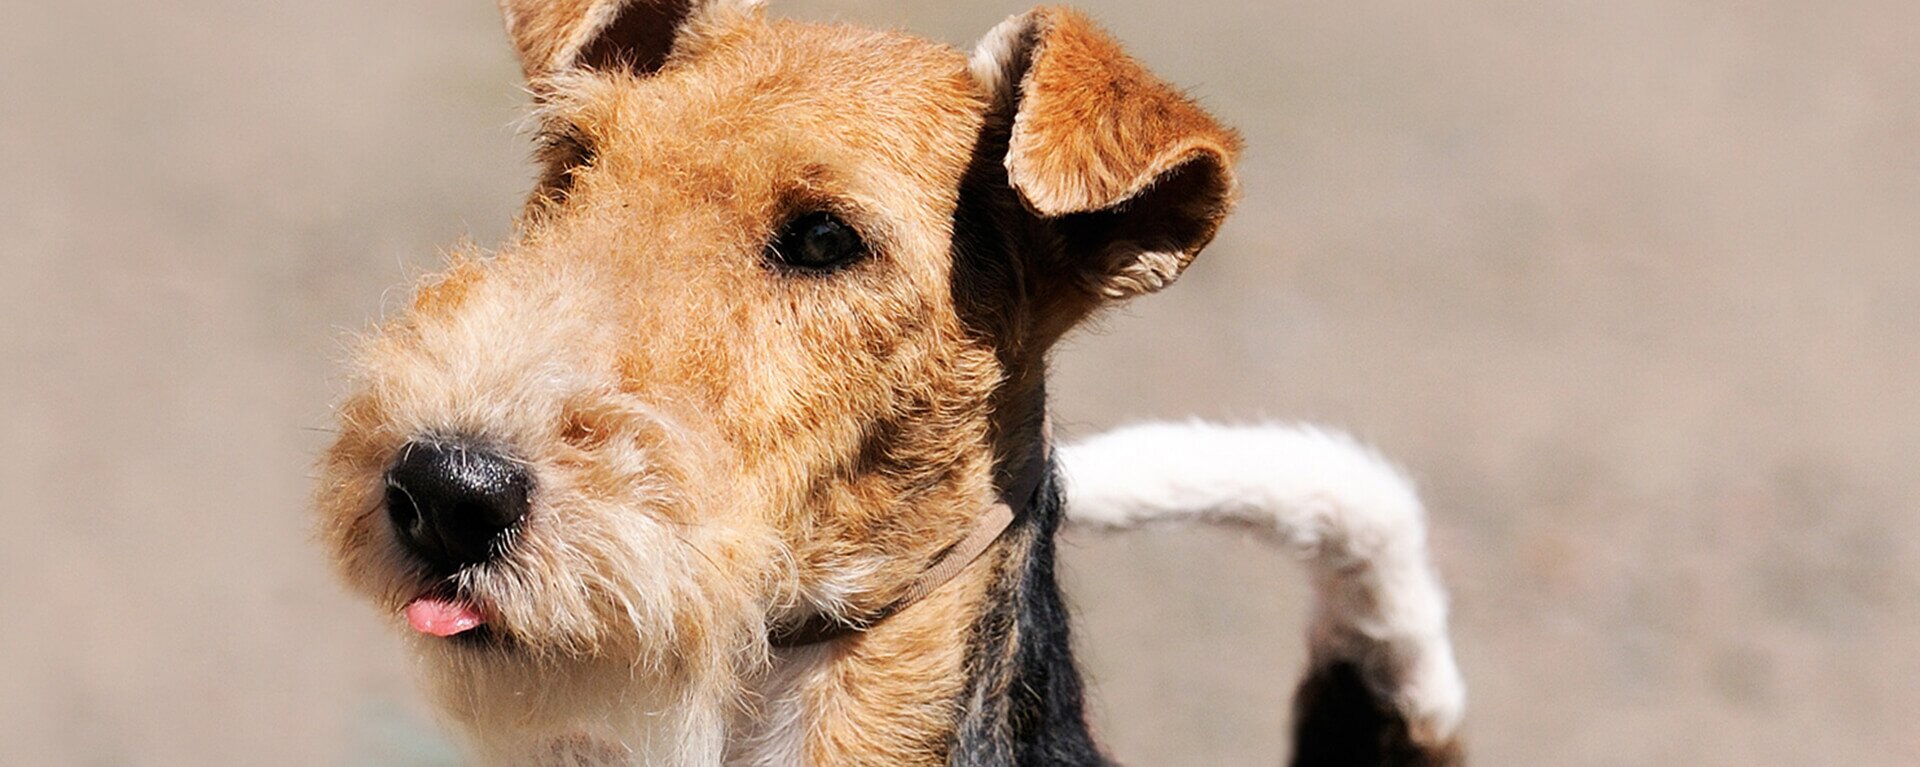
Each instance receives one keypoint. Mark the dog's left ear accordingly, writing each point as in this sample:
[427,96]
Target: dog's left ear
[554,36]
[1132,175]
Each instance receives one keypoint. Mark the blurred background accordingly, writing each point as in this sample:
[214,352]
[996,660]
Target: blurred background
[1633,288]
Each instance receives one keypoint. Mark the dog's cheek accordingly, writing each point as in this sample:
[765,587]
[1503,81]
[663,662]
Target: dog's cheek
[620,578]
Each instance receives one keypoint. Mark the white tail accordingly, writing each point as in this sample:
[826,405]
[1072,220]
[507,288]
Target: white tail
[1381,614]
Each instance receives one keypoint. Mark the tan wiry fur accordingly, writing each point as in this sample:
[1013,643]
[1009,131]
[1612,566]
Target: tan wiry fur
[716,445]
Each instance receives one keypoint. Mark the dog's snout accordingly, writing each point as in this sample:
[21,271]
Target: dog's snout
[451,502]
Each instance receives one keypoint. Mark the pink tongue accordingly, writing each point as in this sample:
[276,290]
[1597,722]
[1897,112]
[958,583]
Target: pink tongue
[441,617]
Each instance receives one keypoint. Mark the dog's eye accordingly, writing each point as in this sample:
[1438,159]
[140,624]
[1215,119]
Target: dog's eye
[817,242]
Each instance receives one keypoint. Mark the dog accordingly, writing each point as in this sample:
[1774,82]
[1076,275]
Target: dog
[737,454]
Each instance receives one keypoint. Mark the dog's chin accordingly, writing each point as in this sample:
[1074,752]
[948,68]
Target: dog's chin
[494,665]
[518,703]
[482,640]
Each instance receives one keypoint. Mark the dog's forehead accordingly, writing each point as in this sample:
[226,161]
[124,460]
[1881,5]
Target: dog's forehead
[790,91]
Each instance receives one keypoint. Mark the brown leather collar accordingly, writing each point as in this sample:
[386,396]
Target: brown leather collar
[987,529]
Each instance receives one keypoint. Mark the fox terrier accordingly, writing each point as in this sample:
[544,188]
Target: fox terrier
[736,455]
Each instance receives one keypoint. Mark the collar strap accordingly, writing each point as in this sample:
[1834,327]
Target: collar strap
[987,529]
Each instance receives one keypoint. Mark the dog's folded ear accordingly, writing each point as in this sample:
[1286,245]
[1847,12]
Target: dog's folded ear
[553,36]
[1133,175]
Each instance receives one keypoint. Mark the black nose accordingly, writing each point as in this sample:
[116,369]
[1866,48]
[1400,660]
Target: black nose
[450,502]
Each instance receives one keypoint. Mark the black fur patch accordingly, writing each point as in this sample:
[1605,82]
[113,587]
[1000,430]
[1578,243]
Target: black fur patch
[1339,722]
[1024,704]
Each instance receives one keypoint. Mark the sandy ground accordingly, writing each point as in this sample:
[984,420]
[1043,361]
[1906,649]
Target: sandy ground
[1632,287]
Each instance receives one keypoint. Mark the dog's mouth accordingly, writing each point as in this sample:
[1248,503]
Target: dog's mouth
[444,616]
[446,613]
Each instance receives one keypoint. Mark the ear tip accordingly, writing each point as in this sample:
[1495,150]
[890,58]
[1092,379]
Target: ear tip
[553,36]
[1058,196]
[1053,184]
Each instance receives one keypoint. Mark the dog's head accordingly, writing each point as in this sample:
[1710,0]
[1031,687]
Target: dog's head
[775,316]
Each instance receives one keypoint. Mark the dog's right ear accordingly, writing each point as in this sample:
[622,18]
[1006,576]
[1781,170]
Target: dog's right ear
[553,36]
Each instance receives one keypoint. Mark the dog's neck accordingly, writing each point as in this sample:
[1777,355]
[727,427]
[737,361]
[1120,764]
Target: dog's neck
[1024,704]
[1018,481]
[980,673]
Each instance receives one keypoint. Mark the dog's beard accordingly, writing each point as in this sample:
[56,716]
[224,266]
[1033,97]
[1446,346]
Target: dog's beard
[609,639]
[519,710]
[596,580]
